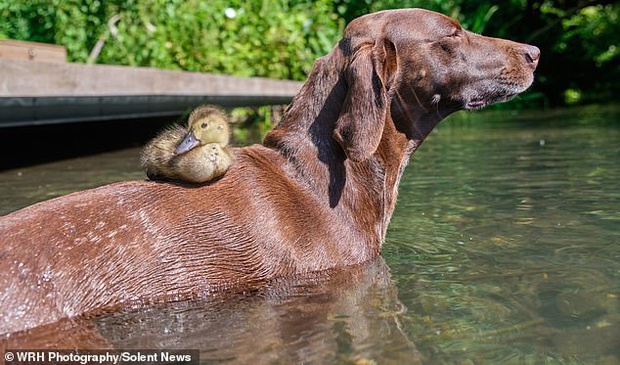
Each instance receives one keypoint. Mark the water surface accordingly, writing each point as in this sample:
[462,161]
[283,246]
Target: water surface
[504,248]
[505,245]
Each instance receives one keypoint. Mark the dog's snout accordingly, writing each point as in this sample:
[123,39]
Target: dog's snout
[531,54]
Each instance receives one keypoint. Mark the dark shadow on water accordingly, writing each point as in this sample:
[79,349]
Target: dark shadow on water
[25,146]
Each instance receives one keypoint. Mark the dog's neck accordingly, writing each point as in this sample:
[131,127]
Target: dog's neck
[371,186]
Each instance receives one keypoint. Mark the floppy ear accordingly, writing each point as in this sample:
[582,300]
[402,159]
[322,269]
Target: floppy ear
[360,125]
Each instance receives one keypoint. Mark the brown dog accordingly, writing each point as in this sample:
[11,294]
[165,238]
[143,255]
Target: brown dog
[318,194]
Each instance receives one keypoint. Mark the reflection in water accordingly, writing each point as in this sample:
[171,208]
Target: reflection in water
[504,248]
[343,316]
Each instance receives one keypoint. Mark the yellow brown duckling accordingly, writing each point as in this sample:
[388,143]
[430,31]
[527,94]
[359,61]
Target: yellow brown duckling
[197,154]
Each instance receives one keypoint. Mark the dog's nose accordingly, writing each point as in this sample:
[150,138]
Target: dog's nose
[532,55]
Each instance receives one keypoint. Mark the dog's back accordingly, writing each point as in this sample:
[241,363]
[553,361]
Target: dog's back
[144,240]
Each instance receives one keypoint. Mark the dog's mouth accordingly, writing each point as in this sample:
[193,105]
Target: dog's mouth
[499,92]
[476,103]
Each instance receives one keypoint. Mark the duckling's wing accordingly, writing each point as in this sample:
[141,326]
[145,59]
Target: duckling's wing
[158,154]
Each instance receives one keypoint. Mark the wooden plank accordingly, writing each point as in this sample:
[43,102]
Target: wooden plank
[19,78]
[32,51]
[33,93]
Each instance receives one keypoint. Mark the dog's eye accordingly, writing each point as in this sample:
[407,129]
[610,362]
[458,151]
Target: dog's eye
[204,125]
[447,46]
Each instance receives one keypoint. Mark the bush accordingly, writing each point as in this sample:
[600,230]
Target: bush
[270,38]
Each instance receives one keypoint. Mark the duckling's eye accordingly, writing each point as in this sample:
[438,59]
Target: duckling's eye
[204,125]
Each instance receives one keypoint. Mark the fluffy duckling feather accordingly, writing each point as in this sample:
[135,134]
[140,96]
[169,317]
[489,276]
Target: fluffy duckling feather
[196,154]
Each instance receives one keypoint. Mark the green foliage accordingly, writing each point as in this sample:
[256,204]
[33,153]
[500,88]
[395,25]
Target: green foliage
[270,38]
[66,22]
[591,37]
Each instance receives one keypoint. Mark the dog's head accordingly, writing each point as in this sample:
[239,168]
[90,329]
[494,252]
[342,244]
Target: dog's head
[414,62]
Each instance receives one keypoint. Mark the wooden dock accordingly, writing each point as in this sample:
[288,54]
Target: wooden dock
[35,93]
[32,51]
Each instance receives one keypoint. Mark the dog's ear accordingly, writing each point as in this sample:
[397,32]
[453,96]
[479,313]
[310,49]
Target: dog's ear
[360,125]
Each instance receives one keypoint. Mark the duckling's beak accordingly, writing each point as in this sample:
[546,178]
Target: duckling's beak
[189,142]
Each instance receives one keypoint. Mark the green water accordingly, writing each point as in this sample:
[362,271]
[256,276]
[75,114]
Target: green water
[504,248]
[505,245]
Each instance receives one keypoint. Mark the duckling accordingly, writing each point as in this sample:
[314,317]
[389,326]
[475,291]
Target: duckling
[197,154]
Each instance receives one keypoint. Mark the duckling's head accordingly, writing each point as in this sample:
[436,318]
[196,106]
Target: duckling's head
[206,124]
